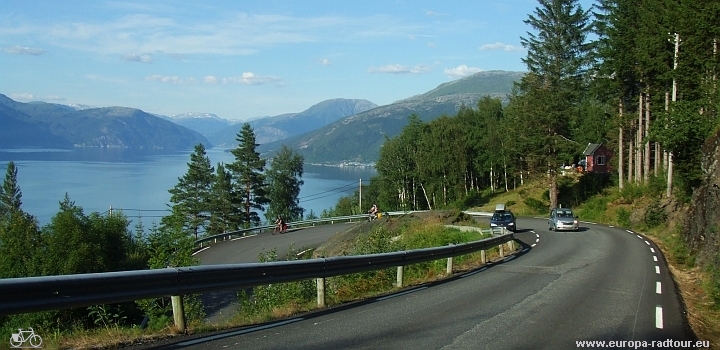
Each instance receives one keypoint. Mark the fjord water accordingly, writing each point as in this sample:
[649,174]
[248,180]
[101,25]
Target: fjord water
[137,181]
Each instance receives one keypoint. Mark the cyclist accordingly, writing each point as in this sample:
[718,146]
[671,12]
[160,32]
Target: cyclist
[280,225]
[373,213]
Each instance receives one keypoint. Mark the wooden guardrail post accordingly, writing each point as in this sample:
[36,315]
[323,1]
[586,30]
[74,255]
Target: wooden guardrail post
[399,282]
[178,312]
[483,258]
[449,267]
[321,292]
[502,250]
[511,245]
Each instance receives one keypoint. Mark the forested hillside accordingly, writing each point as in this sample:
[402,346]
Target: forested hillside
[358,138]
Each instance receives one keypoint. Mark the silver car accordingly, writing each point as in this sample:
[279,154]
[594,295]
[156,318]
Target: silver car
[562,219]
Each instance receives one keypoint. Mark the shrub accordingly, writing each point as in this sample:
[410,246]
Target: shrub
[537,206]
[623,217]
[655,215]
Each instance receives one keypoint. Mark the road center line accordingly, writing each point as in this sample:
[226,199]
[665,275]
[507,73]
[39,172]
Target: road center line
[658,317]
[657,269]
[658,288]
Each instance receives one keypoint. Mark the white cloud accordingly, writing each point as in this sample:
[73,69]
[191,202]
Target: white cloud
[500,46]
[22,96]
[250,78]
[462,71]
[144,58]
[400,69]
[325,62]
[23,50]
[209,79]
[173,79]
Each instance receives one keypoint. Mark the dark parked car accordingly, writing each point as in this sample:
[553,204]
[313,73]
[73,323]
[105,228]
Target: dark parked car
[503,218]
[563,219]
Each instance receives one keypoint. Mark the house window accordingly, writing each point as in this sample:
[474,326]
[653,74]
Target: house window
[599,160]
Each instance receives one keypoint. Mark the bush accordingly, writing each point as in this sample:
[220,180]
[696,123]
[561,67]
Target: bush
[623,217]
[655,215]
[537,206]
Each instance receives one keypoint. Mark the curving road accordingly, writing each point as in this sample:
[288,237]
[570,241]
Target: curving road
[599,284]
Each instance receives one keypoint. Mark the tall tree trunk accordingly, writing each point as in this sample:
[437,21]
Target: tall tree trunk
[553,189]
[621,172]
[505,175]
[631,155]
[492,183]
[426,196]
[668,193]
[638,141]
[646,135]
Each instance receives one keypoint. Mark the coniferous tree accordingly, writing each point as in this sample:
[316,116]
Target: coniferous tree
[191,197]
[248,178]
[284,179]
[10,194]
[557,61]
[224,215]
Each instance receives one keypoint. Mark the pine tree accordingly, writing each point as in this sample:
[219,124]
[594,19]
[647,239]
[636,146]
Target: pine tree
[284,182]
[558,59]
[192,195]
[248,178]
[224,215]
[10,194]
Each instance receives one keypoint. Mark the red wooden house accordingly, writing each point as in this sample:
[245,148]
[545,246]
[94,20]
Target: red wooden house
[597,158]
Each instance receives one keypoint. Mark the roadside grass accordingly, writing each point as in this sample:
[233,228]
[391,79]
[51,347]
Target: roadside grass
[277,301]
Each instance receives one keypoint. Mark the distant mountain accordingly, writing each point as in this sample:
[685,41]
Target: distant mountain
[269,129]
[40,124]
[358,138]
[205,123]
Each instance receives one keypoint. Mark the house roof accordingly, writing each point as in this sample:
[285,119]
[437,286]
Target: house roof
[591,148]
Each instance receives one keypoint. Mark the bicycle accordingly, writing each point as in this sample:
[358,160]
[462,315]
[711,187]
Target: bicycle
[279,229]
[22,336]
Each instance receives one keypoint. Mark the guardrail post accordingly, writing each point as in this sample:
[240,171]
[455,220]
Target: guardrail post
[502,250]
[321,292]
[449,267]
[483,258]
[399,282]
[178,312]
[511,245]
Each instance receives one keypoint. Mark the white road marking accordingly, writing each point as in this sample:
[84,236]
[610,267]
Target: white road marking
[628,231]
[200,250]
[657,269]
[401,294]
[652,250]
[534,244]
[638,236]
[646,242]
[537,235]
[537,240]
[658,288]
[658,317]
[611,226]
[654,258]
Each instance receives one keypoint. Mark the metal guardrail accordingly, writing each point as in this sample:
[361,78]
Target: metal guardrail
[30,294]
[226,235]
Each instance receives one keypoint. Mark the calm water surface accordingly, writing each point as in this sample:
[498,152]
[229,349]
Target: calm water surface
[138,181]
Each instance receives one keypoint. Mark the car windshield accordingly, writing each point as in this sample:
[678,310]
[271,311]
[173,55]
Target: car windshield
[502,216]
[565,213]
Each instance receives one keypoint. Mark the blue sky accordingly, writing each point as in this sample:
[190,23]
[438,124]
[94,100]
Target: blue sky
[244,59]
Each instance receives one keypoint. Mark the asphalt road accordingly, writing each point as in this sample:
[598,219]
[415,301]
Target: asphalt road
[599,284]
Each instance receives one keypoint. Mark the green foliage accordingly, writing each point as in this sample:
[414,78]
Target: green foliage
[537,206]
[10,194]
[191,197]
[284,181]
[248,178]
[594,208]
[655,215]
[311,215]
[106,315]
[265,299]
[224,216]
[623,217]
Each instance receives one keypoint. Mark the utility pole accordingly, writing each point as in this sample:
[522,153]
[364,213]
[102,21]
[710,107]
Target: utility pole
[360,199]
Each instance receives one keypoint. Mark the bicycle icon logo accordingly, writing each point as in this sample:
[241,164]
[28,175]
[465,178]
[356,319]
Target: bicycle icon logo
[25,336]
